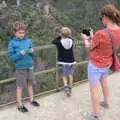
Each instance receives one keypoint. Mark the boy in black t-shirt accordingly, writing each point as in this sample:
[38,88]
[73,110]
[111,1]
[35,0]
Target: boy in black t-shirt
[66,61]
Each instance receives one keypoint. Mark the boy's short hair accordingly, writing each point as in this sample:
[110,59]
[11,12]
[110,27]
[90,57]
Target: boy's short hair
[19,25]
[65,32]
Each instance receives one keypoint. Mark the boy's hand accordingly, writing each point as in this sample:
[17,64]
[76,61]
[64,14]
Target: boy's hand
[23,52]
[31,50]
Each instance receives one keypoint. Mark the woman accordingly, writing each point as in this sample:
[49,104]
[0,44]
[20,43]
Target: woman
[100,47]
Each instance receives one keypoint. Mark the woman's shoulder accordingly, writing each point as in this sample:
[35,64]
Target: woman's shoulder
[117,31]
[100,36]
[101,32]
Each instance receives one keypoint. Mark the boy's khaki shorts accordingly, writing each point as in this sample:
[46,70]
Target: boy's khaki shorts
[24,77]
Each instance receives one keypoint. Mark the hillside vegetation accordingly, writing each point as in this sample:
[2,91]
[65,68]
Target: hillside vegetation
[76,14]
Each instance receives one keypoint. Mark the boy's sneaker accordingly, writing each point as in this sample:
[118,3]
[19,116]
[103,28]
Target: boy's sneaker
[22,108]
[106,106]
[90,116]
[70,89]
[67,91]
[35,103]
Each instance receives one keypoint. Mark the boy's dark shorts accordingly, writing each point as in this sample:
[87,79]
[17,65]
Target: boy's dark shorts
[24,78]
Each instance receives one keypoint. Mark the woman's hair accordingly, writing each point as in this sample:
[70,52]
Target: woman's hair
[111,12]
[65,32]
[19,25]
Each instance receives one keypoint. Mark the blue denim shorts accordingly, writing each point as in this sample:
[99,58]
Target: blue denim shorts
[95,74]
[66,70]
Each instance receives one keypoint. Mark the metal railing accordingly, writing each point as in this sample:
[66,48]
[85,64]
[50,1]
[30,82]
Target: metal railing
[54,69]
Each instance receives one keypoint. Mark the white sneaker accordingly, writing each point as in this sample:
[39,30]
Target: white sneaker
[90,116]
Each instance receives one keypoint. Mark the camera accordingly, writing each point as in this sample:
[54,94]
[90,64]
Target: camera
[86,32]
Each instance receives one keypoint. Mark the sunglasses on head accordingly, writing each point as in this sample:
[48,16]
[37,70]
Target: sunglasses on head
[100,18]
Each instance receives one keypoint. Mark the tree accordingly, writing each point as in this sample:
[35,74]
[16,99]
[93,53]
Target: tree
[46,9]
[18,2]
[4,4]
